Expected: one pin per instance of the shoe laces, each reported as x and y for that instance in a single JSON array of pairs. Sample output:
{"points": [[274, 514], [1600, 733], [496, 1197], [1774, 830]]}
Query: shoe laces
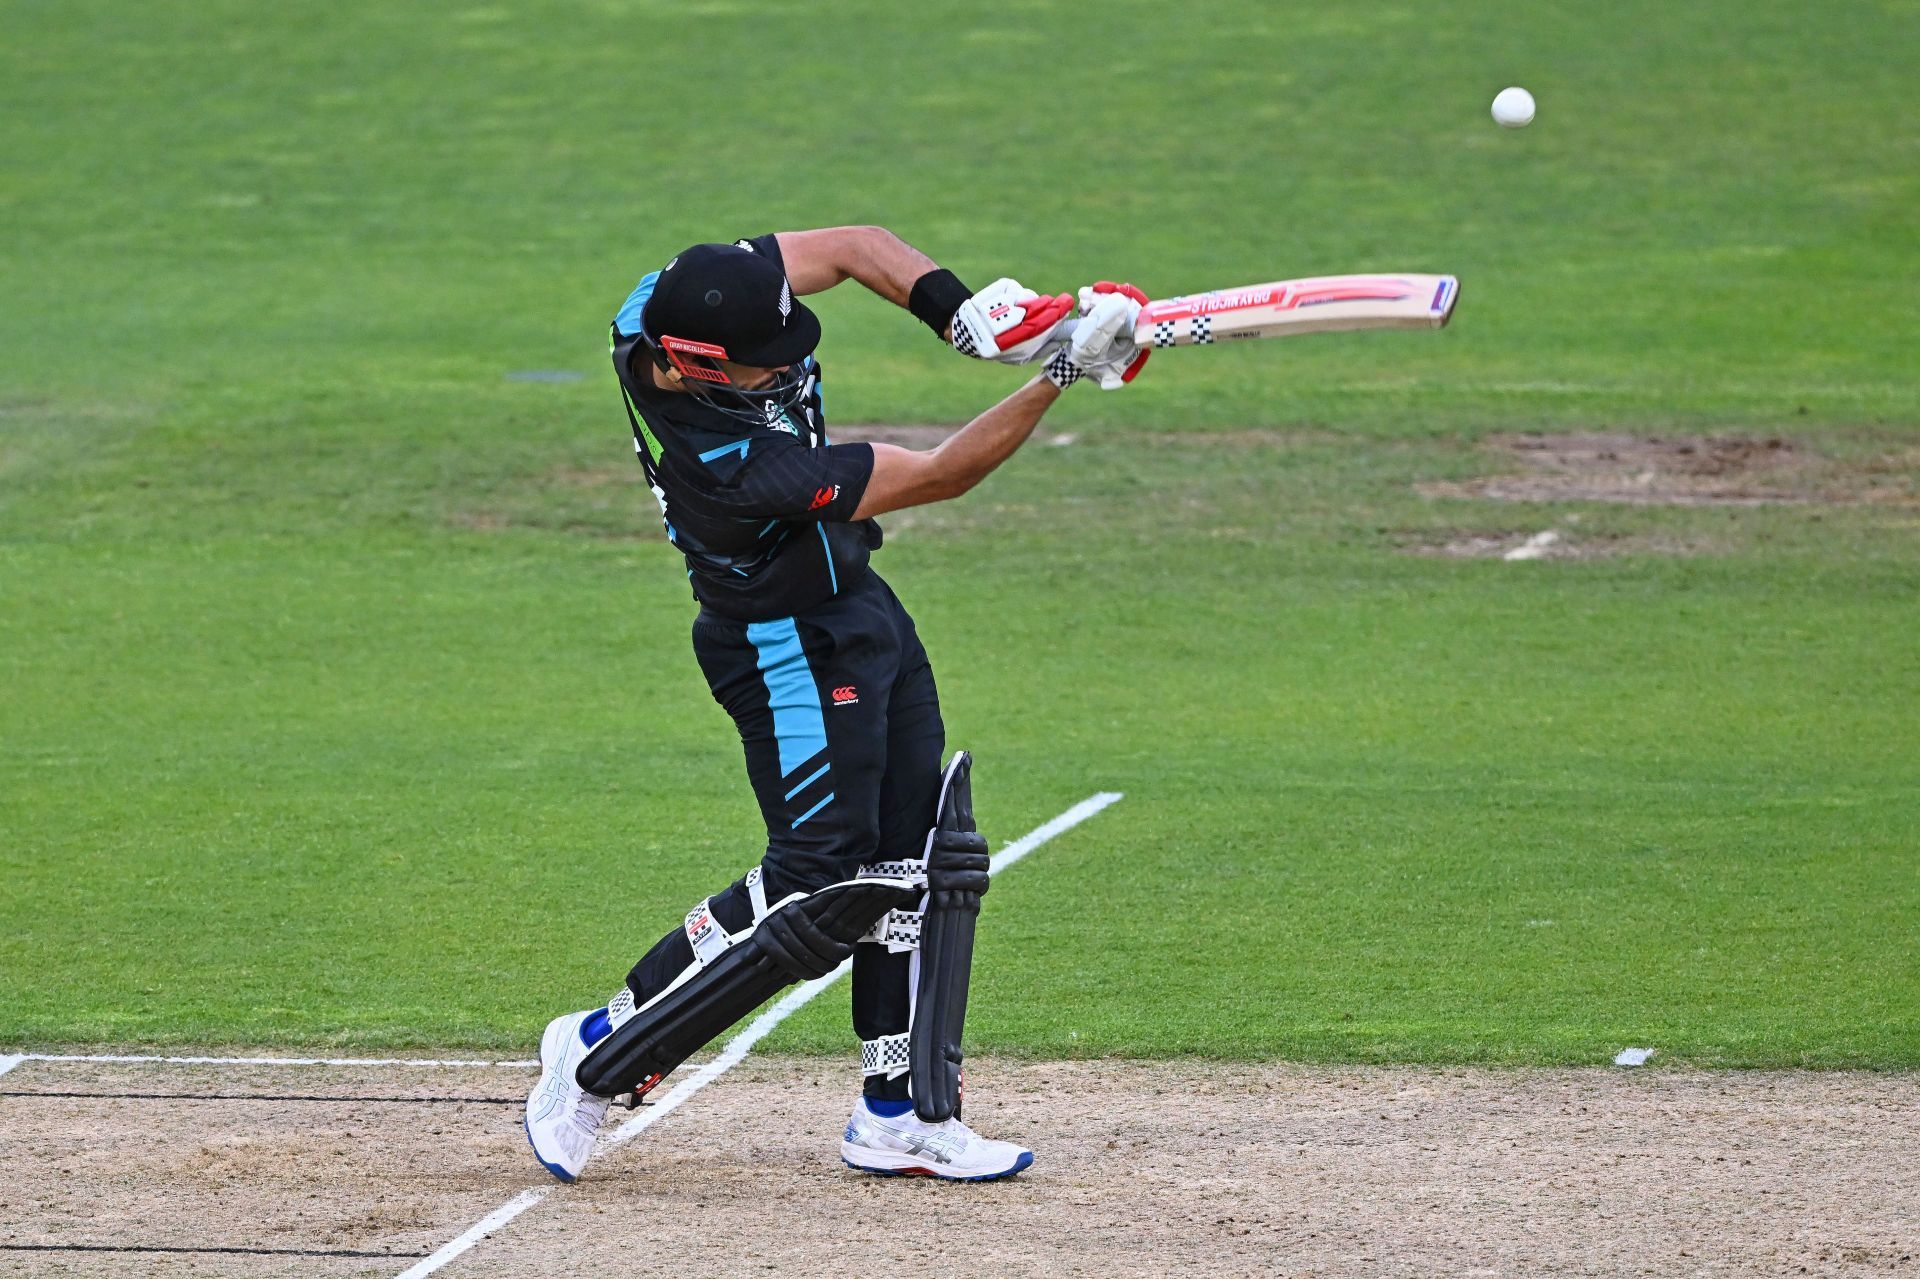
{"points": [[588, 1113], [966, 1135]]}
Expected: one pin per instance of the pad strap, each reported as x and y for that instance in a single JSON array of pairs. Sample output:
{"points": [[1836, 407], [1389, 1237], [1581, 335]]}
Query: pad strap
{"points": [[915, 869], [704, 934], [757, 893], [897, 930], [886, 1055]]}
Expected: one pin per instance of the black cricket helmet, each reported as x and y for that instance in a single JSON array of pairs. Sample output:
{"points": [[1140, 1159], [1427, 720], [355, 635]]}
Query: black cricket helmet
{"points": [[717, 302]]}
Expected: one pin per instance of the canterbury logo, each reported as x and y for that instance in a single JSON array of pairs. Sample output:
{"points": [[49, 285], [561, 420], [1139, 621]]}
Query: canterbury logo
{"points": [[822, 496], [846, 695]]}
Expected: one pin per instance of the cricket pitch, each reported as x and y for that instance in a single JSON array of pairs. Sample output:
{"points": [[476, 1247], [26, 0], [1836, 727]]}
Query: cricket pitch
{"points": [[1141, 1169]]}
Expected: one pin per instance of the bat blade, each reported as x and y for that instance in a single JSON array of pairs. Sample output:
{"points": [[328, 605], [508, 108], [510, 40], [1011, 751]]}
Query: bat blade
{"points": [[1284, 308]]}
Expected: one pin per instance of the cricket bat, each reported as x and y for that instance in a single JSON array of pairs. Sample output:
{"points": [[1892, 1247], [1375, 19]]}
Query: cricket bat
{"points": [[1321, 304]]}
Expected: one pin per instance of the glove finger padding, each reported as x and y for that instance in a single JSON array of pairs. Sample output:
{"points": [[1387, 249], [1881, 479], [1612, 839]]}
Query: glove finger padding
{"points": [[1089, 294], [1008, 323], [799, 947], [1102, 344]]}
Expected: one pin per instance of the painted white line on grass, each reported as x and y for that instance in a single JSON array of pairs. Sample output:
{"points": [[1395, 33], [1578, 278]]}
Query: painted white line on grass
{"points": [[8, 1063], [1066, 821], [730, 1056]]}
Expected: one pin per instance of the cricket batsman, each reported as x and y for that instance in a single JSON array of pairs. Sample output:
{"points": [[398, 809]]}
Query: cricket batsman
{"points": [[871, 847]]}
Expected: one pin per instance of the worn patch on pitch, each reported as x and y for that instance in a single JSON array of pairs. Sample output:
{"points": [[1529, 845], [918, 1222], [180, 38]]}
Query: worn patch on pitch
{"points": [[1684, 470]]}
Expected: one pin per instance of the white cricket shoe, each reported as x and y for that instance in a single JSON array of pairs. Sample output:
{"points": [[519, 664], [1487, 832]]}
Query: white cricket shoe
{"points": [[907, 1145], [562, 1117]]}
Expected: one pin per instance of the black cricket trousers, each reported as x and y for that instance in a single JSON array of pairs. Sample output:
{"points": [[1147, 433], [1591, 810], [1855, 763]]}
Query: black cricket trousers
{"points": [[840, 721]]}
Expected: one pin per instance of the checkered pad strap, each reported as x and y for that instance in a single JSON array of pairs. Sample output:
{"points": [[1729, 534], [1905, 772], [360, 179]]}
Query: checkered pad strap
{"points": [[704, 933], [897, 930], [886, 1055], [620, 1007], [915, 870]]}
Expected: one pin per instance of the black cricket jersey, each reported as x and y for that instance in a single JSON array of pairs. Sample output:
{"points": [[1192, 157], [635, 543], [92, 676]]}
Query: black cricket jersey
{"points": [[763, 514]]}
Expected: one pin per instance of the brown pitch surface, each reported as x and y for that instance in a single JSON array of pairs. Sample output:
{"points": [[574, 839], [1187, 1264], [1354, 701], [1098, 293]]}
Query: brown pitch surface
{"points": [[1141, 1169]]}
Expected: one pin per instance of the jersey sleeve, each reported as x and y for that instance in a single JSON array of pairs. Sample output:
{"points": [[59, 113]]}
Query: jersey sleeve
{"points": [[782, 479], [767, 246]]}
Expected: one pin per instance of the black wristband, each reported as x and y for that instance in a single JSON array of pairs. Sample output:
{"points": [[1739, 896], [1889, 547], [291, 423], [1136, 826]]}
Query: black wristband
{"points": [[935, 297]]}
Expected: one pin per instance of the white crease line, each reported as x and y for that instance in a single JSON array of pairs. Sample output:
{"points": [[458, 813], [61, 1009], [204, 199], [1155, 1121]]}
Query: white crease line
{"points": [[1066, 821], [736, 1050], [8, 1063], [477, 1231]]}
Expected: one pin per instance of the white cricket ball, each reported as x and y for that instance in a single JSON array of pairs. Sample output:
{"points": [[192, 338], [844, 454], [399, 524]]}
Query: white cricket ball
{"points": [[1513, 108]]}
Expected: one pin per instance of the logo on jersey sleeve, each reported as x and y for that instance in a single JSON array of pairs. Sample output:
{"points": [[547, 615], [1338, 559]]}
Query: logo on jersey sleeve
{"points": [[823, 496]]}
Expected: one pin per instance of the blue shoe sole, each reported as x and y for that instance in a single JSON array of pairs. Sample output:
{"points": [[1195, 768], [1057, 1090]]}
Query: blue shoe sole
{"points": [[561, 1173], [1020, 1165]]}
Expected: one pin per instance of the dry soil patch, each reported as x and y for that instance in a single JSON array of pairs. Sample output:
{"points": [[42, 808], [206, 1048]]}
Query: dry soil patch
{"points": [[1705, 470], [1142, 1169]]}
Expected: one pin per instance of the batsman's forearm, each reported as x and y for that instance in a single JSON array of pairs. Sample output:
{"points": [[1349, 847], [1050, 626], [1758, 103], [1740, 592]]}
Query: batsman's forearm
{"points": [[889, 265], [970, 454], [873, 255], [903, 477]]}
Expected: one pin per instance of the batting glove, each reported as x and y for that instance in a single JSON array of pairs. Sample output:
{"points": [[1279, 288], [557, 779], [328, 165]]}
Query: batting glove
{"points": [[1009, 324], [1102, 345]]}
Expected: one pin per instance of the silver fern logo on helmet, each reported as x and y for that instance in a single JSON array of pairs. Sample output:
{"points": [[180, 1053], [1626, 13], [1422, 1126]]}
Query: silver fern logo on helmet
{"points": [[786, 301]]}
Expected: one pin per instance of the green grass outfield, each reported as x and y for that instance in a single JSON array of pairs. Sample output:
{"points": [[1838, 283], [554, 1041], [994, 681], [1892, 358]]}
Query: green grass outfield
{"points": [[345, 695]]}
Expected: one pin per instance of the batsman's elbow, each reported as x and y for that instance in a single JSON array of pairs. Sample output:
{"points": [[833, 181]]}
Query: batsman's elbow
{"points": [[903, 478]]}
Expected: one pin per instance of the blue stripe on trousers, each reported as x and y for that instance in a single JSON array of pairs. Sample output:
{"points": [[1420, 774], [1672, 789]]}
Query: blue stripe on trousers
{"points": [[798, 725]]}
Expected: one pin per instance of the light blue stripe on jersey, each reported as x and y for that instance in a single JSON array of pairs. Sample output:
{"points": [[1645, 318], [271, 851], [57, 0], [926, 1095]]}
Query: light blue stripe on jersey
{"points": [[798, 725], [738, 446], [628, 321], [826, 548]]}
